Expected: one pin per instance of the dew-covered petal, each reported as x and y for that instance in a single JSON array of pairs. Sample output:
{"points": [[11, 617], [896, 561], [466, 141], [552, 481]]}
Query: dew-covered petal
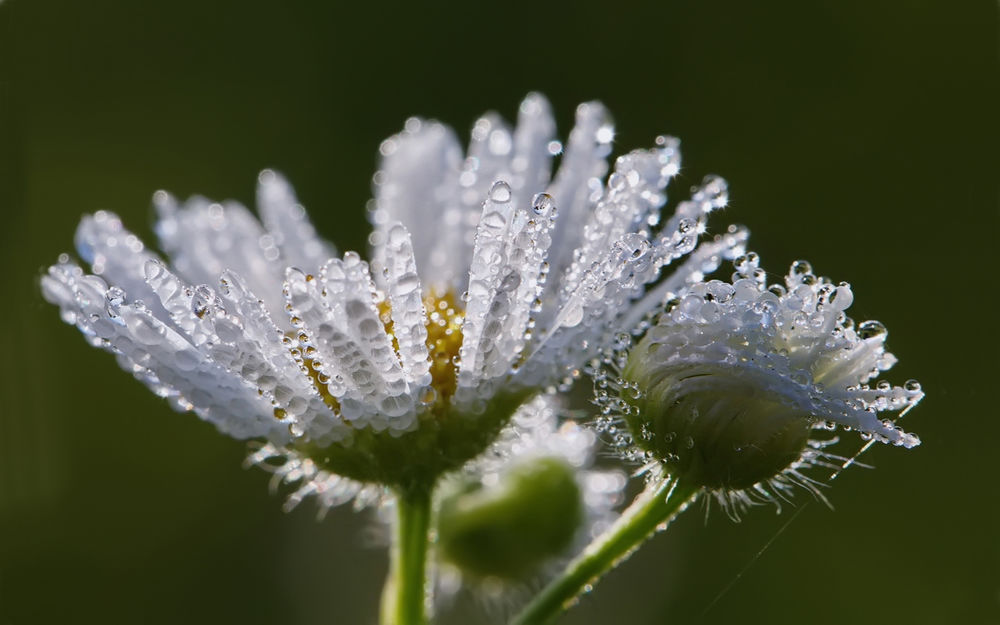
{"points": [[631, 204], [584, 322], [288, 224], [204, 239], [531, 162], [417, 185], [159, 357], [680, 233], [705, 259], [407, 308], [115, 254], [492, 283], [491, 147], [577, 185]]}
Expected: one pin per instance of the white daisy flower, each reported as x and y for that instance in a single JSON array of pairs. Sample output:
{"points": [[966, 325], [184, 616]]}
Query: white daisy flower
{"points": [[726, 391], [477, 296], [519, 510]]}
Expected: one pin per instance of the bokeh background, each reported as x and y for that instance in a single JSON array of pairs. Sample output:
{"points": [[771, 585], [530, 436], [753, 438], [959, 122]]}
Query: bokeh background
{"points": [[860, 135]]}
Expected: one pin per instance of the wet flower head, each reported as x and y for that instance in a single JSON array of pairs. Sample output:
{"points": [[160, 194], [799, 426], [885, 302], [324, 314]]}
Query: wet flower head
{"points": [[729, 387], [489, 280]]}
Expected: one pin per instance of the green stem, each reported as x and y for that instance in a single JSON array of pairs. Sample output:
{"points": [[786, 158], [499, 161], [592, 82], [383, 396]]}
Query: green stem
{"points": [[652, 510], [404, 598]]}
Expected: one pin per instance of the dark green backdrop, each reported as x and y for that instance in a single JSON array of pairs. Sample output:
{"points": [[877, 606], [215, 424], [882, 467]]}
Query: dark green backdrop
{"points": [[860, 135]]}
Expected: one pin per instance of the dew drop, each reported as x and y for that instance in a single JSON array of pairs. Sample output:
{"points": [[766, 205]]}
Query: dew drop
{"points": [[115, 298], [500, 192], [871, 330], [801, 267], [572, 315], [543, 205], [201, 299], [398, 235]]}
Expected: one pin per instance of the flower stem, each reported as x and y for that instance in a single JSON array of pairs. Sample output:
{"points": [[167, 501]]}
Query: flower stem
{"points": [[662, 500], [404, 598]]}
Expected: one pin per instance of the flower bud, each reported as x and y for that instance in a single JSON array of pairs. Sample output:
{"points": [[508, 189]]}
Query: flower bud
{"points": [[510, 530], [527, 502], [712, 428], [727, 389]]}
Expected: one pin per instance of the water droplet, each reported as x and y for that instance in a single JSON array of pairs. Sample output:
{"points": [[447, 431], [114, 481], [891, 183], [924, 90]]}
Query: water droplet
{"points": [[572, 315], [494, 220], [543, 205], [871, 330], [407, 283], [510, 282], [801, 267], [500, 192], [115, 298], [398, 235], [912, 386], [201, 300], [499, 142], [428, 396]]}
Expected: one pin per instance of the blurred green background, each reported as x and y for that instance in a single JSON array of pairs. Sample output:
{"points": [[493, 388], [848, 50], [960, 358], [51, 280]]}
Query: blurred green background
{"points": [[859, 135]]}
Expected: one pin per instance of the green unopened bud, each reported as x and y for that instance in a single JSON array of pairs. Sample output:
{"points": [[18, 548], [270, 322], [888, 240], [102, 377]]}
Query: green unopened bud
{"points": [[509, 530], [711, 427]]}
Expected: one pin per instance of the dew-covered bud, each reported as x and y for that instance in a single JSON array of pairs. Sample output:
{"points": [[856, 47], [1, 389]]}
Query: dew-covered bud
{"points": [[713, 429], [728, 388], [509, 530]]}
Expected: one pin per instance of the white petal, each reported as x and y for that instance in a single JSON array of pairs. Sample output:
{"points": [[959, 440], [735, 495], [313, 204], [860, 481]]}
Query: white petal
{"points": [[288, 224], [115, 254], [406, 299], [161, 358], [577, 185], [532, 159], [417, 185], [204, 239]]}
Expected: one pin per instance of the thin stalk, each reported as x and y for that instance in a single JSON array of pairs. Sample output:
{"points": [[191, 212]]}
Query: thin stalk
{"points": [[652, 510], [404, 598]]}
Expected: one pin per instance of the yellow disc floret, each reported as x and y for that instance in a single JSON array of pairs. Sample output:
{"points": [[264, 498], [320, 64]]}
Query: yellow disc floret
{"points": [[444, 339]]}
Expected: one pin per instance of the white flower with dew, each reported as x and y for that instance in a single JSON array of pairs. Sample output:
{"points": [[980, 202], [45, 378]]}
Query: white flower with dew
{"points": [[477, 296], [727, 389]]}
